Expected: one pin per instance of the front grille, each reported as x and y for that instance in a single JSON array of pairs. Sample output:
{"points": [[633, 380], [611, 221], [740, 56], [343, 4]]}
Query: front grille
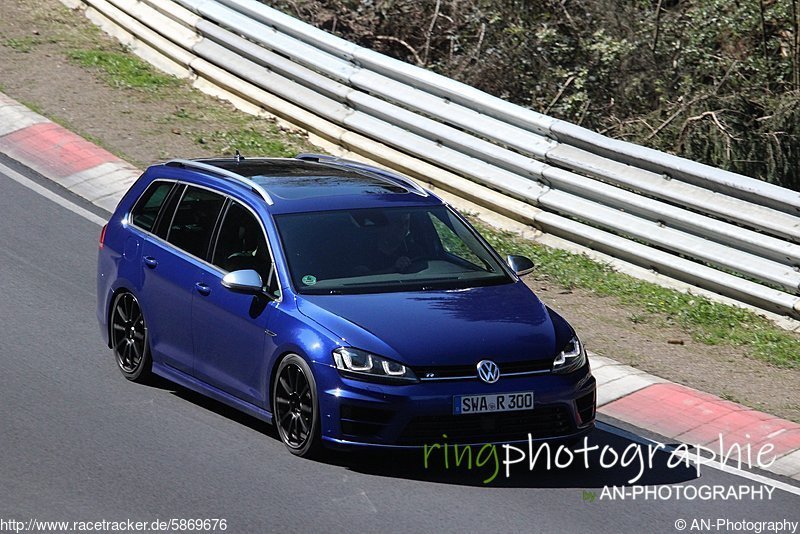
{"points": [[468, 372], [541, 422], [525, 367]]}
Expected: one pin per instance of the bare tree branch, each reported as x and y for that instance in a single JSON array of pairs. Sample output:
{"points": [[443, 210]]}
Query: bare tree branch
{"points": [[796, 51], [715, 120], [658, 26], [558, 96], [672, 117], [764, 36], [399, 41], [430, 32]]}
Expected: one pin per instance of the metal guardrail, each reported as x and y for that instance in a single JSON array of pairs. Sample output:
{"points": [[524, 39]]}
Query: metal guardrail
{"points": [[725, 232]]}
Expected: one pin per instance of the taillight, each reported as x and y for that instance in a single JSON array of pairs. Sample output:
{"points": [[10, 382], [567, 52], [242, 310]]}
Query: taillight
{"points": [[103, 235]]}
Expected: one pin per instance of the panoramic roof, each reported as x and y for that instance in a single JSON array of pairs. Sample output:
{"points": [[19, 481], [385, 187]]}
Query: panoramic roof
{"points": [[297, 187], [292, 179]]}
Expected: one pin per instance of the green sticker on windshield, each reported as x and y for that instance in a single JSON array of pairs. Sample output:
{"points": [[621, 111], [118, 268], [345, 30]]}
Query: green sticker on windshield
{"points": [[309, 280]]}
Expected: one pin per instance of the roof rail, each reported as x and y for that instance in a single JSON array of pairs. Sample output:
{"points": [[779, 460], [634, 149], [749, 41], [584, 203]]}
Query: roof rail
{"points": [[223, 172], [383, 173]]}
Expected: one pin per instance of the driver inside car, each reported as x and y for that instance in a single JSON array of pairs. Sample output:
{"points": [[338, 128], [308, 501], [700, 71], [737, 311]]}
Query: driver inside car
{"points": [[395, 247]]}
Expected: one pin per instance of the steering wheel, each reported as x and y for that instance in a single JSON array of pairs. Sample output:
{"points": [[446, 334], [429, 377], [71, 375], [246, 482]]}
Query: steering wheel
{"points": [[415, 265]]}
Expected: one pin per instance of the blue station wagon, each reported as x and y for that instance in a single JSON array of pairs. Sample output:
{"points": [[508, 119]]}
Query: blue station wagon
{"points": [[339, 301]]}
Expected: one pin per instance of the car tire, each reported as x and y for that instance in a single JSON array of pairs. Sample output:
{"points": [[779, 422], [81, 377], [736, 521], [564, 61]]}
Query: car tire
{"points": [[129, 340], [296, 407]]}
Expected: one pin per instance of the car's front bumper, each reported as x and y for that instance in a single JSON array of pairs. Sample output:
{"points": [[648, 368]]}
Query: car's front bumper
{"points": [[355, 413]]}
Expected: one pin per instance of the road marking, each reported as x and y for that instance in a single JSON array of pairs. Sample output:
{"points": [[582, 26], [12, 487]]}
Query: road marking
{"points": [[605, 427], [779, 431], [61, 201]]}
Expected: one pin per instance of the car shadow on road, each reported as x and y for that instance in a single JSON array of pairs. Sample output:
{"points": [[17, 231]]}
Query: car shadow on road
{"points": [[611, 460], [215, 406]]}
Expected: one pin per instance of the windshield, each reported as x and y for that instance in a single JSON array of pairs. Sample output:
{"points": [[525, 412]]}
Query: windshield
{"points": [[381, 250]]}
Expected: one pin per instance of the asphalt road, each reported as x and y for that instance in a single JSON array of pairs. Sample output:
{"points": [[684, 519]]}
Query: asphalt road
{"points": [[80, 443]]}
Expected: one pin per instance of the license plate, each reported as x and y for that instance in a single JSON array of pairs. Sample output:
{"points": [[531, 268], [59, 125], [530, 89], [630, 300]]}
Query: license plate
{"points": [[501, 402]]}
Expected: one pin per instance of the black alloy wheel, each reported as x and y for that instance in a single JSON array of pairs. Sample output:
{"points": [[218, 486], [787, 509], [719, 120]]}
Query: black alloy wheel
{"points": [[129, 338], [295, 409]]}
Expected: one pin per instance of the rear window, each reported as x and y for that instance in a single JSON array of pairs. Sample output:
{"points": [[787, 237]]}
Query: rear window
{"points": [[146, 210]]}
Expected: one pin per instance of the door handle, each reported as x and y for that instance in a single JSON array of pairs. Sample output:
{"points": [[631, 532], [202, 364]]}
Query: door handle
{"points": [[150, 261], [202, 288]]}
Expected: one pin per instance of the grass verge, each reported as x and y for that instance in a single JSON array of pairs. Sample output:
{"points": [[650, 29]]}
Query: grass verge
{"points": [[23, 44], [122, 69]]}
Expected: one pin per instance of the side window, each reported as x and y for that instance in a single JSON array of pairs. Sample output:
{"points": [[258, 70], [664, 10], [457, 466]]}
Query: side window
{"points": [[194, 220], [241, 244], [145, 212]]}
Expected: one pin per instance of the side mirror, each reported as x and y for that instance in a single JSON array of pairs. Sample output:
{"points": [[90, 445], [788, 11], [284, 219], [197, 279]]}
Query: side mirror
{"points": [[520, 264], [244, 281]]}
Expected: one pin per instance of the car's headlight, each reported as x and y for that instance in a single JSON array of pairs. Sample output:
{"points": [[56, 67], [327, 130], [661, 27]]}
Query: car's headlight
{"points": [[363, 365], [571, 358]]}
